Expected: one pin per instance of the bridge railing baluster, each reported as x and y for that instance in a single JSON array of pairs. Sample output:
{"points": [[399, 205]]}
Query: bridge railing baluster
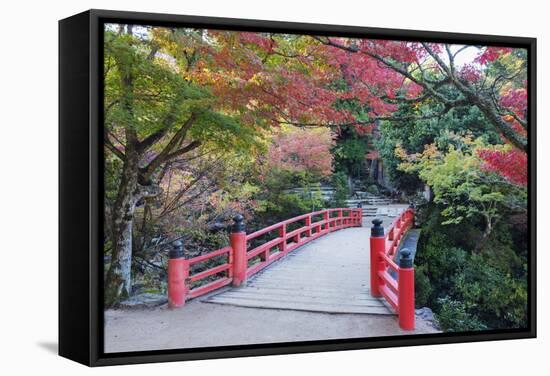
{"points": [[282, 235]]}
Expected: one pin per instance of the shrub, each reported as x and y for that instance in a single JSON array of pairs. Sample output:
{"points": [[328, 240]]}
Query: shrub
{"points": [[441, 264], [373, 189], [340, 183], [422, 287], [460, 282], [492, 295], [282, 206], [486, 286], [453, 317]]}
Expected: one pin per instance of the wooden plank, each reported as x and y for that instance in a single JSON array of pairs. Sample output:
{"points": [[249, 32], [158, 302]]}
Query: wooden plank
{"points": [[255, 268], [309, 290], [209, 272], [326, 308], [210, 255], [198, 291], [388, 279], [262, 248], [321, 282], [321, 296], [390, 297], [391, 264]]}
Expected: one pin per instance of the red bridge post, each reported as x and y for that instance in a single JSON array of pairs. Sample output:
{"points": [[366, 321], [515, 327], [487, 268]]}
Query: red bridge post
{"points": [[377, 248], [238, 244], [282, 235], [326, 218], [178, 272], [406, 290]]}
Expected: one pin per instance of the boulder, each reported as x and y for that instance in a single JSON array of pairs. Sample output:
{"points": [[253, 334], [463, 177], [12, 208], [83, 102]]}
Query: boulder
{"points": [[427, 314], [143, 301]]}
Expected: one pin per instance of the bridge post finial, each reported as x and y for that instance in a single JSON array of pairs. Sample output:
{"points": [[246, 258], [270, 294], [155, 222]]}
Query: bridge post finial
{"points": [[178, 273], [405, 296], [238, 223], [377, 230], [176, 251], [405, 258]]}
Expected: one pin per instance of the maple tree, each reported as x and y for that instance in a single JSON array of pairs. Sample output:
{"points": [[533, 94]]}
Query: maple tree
{"points": [[302, 150], [510, 163], [381, 75], [386, 73], [461, 183], [153, 116], [170, 93], [174, 94], [510, 92]]}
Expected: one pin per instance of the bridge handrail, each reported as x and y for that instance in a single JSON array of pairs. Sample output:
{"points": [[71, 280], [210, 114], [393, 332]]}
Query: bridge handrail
{"points": [[398, 293], [311, 229], [292, 220], [235, 269], [401, 225]]}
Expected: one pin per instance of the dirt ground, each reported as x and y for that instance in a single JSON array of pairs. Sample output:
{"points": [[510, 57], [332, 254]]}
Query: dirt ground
{"points": [[201, 324]]}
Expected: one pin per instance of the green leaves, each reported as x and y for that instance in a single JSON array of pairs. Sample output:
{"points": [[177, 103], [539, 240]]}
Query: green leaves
{"points": [[159, 98], [223, 131], [470, 290], [454, 317], [458, 181]]}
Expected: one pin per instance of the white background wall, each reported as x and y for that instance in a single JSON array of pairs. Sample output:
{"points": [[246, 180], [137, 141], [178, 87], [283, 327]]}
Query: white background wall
{"points": [[28, 185]]}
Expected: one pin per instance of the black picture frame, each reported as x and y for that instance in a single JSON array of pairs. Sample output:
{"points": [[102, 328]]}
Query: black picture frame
{"points": [[80, 187]]}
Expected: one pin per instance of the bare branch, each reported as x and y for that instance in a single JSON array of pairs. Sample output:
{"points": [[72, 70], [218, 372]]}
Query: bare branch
{"points": [[191, 146], [111, 146], [174, 143]]}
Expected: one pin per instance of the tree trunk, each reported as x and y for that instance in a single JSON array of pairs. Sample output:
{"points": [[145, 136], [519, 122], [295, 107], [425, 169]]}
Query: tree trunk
{"points": [[119, 280], [373, 172], [485, 236]]}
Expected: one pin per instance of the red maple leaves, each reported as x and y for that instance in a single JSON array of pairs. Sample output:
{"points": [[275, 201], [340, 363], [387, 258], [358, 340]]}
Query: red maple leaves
{"points": [[302, 150], [271, 79], [511, 164], [490, 54]]}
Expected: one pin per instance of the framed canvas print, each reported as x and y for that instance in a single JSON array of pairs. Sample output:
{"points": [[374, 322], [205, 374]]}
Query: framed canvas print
{"points": [[238, 187]]}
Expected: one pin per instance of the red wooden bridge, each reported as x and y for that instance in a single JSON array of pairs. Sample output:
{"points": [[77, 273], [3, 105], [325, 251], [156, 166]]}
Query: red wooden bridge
{"points": [[334, 274]]}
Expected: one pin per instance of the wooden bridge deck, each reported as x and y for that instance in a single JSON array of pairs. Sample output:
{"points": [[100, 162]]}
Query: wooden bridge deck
{"points": [[330, 274]]}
